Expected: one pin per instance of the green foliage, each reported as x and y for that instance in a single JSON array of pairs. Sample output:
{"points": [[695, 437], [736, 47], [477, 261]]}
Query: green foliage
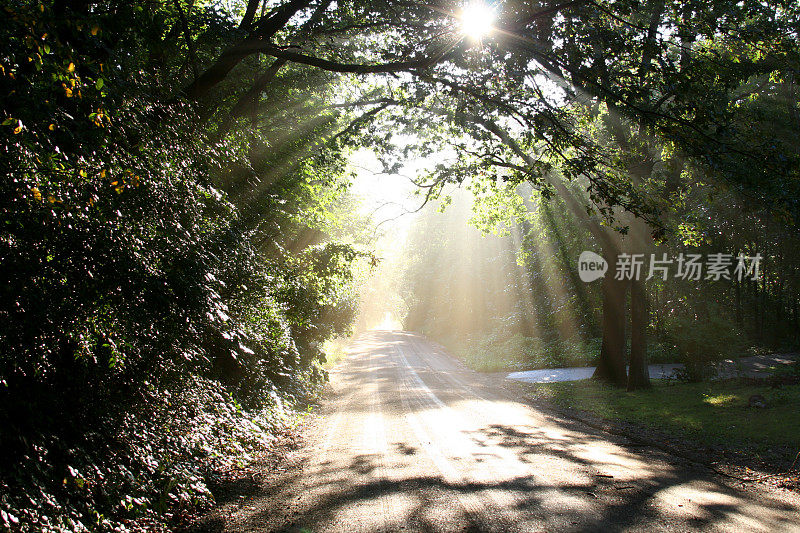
{"points": [[165, 216], [158, 323], [149, 464], [701, 342], [498, 352]]}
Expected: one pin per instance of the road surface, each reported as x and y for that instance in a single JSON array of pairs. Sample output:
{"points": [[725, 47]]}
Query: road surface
{"points": [[409, 440]]}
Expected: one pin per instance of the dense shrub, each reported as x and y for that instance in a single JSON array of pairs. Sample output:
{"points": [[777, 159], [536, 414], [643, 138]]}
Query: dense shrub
{"points": [[152, 330], [502, 351], [702, 342]]}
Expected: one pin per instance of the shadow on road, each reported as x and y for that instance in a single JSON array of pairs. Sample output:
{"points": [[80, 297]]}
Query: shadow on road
{"points": [[410, 440]]}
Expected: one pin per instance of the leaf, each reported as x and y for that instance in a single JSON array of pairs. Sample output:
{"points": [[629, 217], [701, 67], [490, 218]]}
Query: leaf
{"points": [[71, 67], [99, 84]]}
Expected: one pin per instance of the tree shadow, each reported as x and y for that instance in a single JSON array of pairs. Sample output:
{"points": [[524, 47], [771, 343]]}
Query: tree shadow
{"points": [[491, 475]]}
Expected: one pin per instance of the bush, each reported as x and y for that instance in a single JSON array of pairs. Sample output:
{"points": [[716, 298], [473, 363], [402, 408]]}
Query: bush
{"points": [[498, 351], [149, 465], [152, 328], [702, 342]]}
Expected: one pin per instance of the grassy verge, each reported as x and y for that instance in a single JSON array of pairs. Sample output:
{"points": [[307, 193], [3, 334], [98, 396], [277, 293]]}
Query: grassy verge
{"points": [[714, 413]]}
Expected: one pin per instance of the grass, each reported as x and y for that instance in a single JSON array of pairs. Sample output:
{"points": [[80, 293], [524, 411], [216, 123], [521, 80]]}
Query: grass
{"points": [[714, 413]]}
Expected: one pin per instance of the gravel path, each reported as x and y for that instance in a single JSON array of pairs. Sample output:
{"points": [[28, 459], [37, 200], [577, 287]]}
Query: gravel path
{"points": [[410, 440]]}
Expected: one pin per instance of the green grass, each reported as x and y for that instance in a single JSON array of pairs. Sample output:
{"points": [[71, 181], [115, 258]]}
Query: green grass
{"points": [[713, 413]]}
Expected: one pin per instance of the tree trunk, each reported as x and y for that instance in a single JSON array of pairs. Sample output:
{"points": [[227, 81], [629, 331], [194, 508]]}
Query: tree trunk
{"points": [[638, 375], [739, 318], [762, 304], [611, 367]]}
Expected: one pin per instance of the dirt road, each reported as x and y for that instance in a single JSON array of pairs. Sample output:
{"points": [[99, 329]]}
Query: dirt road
{"points": [[410, 440]]}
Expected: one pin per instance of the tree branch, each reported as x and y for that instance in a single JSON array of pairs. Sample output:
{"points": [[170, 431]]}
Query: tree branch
{"points": [[231, 57], [188, 37]]}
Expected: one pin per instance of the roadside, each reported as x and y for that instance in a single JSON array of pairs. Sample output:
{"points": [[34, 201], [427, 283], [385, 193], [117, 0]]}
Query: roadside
{"points": [[757, 366], [262, 478], [711, 423], [744, 423]]}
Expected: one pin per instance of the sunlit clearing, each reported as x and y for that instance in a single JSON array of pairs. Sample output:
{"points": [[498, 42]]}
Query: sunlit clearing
{"points": [[476, 20]]}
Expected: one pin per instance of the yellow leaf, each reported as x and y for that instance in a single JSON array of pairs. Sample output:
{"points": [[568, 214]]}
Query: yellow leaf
{"points": [[95, 29], [103, 173], [37, 194], [51, 198], [68, 91], [114, 183], [71, 67], [51, 127], [19, 127], [82, 173]]}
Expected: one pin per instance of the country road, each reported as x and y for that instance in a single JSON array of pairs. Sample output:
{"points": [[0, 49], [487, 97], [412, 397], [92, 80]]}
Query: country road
{"points": [[408, 439]]}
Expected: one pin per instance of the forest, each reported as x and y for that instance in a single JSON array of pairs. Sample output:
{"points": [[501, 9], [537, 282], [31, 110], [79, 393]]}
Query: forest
{"points": [[179, 236]]}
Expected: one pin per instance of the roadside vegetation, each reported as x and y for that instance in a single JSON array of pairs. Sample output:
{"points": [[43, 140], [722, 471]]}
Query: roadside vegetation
{"points": [[716, 413], [498, 351], [158, 324], [335, 351]]}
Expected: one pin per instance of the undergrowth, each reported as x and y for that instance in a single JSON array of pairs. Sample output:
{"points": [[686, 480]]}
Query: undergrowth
{"points": [[146, 471]]}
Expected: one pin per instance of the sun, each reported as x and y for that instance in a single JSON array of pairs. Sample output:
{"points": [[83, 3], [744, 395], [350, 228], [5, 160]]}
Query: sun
{"points": [[477, 19]]}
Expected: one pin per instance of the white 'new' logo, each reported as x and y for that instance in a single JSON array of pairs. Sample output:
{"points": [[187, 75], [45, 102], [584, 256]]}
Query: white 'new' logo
{"points": [[591, 266]]}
